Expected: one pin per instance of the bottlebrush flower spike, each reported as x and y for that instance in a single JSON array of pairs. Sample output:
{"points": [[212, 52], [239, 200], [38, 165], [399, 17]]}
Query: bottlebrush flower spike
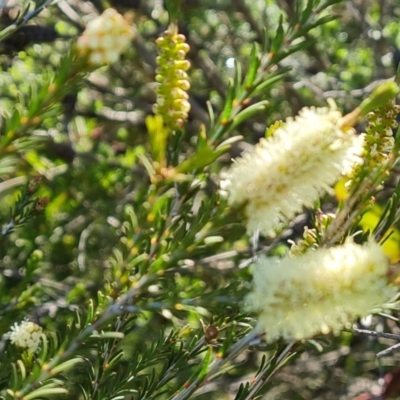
{"points": [[105, 38], [292, 168], [173, 81], [26, 335], [320, 291]]}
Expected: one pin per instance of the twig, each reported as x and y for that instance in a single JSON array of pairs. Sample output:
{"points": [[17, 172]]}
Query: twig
{"points": [[10, 183], [216, 365], [387, 351], [377, 334], [170, 370], [261, 380], [29, 15]]}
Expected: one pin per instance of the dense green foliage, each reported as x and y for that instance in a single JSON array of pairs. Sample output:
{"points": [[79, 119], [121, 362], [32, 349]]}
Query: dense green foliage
{"points": [[115, 237]]}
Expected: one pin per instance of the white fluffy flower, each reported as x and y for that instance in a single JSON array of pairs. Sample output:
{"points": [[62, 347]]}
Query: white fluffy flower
{"points": [[26, 335], [293, 168], [105, 38], [321, 291]]}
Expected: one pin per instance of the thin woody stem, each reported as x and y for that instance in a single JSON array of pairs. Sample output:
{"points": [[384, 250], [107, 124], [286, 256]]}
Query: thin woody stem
{"points": [[216, 365], [261, 380]]}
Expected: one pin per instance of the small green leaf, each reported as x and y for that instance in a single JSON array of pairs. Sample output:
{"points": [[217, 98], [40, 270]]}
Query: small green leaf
{"points": [[380, 96], [278, 39], [248, 113], [65, 366], [158, 136], [321, 21], [44, 391], [238, 77], [228, 103], [228, 142], [147, 164], [108, 335], [90, 313], [307, 11], [201, 159], [254, 64], [205, 363], [270, 80], [202, 141], [43, 349], [115, 359], [15, 120], [22, 369]]}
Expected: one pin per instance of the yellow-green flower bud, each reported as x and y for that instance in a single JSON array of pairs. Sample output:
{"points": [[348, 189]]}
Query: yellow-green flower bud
{"points": [[180, 74], [173, 83], [180, 114], [183, 65], [183, 84], [182, 105], [177, 93]]}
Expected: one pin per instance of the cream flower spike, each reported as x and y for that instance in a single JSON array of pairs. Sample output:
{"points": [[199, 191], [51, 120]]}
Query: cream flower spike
{"points": [[293, 168], [26, 335], [321, 291], [105, 38]]}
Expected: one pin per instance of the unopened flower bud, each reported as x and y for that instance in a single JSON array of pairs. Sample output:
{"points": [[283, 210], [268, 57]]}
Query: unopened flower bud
{"points": [[180, 114], [180, 38], [177, 93], [183, 47], [182, 105], [183, 84], [183, 65]]}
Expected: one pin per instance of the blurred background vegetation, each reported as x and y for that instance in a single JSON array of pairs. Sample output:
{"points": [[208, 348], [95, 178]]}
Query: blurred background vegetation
{"points": [[103, 210]]}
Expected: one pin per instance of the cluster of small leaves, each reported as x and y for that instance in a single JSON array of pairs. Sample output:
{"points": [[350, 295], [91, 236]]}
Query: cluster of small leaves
{"points": [[262, 72], [26, 207]]}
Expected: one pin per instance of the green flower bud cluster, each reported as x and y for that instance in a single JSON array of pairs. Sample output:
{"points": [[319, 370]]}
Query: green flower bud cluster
{"points": [[379, 138], [311, 237], [173, 81]]}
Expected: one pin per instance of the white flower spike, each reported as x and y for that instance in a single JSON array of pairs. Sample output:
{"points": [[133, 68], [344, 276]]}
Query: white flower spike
{"points": [[26, 335], [105, 38], [320, 291], [292, 169]]}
